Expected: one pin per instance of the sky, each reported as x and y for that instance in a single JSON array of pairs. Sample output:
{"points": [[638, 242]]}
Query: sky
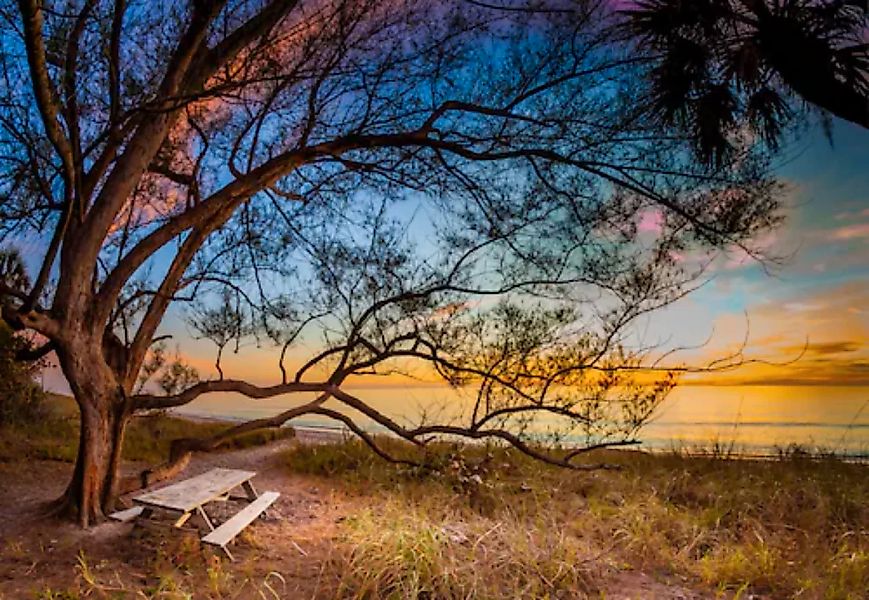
{"points": [[812, 312], [808, 316]]}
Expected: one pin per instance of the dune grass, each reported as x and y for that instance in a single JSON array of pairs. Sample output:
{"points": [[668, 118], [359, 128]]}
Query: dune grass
{"points": [[147, 438], [492, 522]]}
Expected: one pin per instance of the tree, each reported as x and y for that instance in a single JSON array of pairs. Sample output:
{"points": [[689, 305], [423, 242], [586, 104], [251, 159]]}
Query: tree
{"points": [[13, 273], [21, 399], [727, 64], [288, 155]]}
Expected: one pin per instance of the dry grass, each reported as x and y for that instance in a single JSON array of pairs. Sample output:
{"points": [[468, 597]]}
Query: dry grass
{"points": [[493, 521], [490, 523], [397, 551], [211, 578], [147, 438]]}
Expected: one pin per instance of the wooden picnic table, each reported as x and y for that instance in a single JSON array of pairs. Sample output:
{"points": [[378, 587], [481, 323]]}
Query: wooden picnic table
{"points": [[190, 496]]}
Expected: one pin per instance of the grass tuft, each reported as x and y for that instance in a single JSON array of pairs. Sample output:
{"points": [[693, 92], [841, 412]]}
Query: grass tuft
{"points": [[427, 553]]}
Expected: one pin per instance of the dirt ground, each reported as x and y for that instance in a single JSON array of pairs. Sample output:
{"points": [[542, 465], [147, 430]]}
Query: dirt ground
{"points": [[288, 554]]}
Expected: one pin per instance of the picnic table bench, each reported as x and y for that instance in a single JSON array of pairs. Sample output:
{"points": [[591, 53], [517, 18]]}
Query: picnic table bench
{"points": [[189, 497]]}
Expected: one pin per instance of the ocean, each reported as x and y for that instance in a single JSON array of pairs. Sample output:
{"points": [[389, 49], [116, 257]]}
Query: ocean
{"points": [[752, 420]]}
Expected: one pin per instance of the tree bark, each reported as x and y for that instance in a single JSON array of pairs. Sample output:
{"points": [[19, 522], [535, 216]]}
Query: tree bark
{"points": [[93, 489], [104, 412]]}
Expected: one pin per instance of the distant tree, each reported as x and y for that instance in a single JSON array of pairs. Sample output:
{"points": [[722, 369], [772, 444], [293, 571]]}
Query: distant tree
{"points": [[21, 399], [13, 273], [177, 376], [384, 183], [726, 64], [222, 324]]}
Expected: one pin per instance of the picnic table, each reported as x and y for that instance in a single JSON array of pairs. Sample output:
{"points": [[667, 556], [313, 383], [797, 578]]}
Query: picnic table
{"points": [[190, 496]]}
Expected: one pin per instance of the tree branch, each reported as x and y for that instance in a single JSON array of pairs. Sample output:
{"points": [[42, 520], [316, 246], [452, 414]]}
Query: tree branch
{"points": [[34, 354], [150, 401], [182, 449], [46, 96], [160, 302], [138, 154]]}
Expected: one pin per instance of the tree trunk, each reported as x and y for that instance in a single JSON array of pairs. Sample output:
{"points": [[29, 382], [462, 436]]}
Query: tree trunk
{"points": [[104, 412], [93, 490]]}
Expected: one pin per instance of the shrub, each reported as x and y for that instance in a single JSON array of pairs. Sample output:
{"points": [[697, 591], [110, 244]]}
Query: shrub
{"points": [[21, 399]]}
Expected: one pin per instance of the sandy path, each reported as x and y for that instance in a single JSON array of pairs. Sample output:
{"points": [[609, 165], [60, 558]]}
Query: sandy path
{"points": [[37, 553]]}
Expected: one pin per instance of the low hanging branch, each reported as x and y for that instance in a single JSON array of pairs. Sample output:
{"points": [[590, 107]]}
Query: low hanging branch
{"points": [[149, 401], [528, 389]]}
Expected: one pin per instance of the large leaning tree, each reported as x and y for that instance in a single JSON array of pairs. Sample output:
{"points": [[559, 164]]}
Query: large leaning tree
{"points": [[448, 188]]}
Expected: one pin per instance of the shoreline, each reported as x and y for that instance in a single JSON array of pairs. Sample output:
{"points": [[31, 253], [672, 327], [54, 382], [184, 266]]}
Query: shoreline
{"points": [[325, 434]]}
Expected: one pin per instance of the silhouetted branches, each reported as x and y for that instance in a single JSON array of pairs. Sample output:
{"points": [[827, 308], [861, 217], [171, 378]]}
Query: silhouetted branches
{"points": [[460, 190]]}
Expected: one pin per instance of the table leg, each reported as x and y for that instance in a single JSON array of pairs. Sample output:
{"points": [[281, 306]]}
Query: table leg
{"points": [[183, 519], [205, 518], [249, 490], [252, 495]]}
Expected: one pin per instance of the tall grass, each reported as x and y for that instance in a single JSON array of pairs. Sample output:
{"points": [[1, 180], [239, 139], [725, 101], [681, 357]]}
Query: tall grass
{"points": [[787, 528]]}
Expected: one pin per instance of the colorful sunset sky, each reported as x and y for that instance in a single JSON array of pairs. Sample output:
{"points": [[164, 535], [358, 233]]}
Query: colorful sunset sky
{"points": [[813, 310], [810, 314]]}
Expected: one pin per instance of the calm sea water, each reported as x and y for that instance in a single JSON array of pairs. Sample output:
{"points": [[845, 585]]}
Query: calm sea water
{"points": [[753, 419]]}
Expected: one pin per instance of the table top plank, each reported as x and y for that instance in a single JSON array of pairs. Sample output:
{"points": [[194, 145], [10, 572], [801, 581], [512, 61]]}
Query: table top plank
{"points": [[188, 494]]}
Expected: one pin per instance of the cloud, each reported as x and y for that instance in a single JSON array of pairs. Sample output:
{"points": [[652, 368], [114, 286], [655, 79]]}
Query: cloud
{"points": [[811, 337], [801, 306], [825, 348], [835, 347], [848, 215], [850, 232], [652, 221]]}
